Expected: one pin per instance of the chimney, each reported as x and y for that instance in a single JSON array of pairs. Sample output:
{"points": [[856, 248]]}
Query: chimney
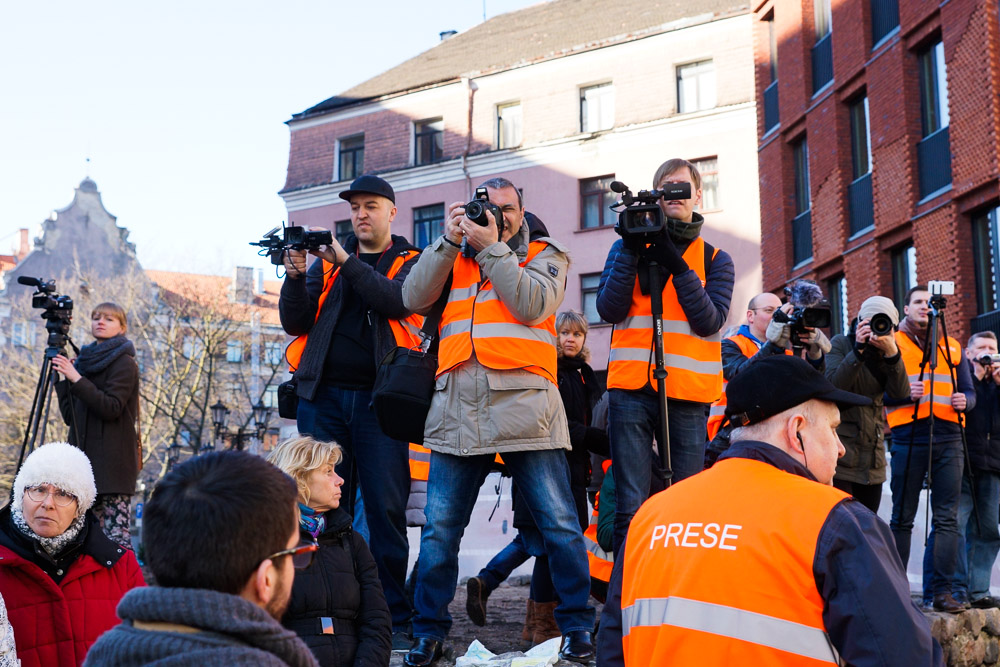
{"points": [[447, 34], [242, 287], [24, 246]]}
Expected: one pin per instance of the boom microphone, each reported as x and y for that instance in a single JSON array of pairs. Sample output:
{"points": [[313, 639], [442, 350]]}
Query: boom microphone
{"points": [[804, 293], [618, 186], [28, 280]]}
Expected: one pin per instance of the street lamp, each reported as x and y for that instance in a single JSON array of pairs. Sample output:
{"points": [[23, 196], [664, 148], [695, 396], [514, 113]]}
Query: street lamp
{"points": [[173, 454], [220, 414], [261, 415]]}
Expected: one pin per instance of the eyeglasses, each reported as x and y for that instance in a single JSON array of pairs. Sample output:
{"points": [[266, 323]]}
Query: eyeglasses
{"points": [[39, 493], [302, 554], [768, 310]]}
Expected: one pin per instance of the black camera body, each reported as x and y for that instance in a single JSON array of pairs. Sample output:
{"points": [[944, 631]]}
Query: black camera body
{"points": [[57, 311], [881, 324], [476, 210], [292, 238], [640, 217], [989, 359], [810, 309]]}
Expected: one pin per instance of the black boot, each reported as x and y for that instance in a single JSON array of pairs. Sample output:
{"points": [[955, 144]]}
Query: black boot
{"points": [[475, 602], [577, 646], [425, 652]]}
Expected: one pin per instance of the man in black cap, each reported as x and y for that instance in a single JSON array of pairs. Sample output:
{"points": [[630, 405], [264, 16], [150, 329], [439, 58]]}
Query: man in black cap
{"points": [[347, 311], [759, 558]]}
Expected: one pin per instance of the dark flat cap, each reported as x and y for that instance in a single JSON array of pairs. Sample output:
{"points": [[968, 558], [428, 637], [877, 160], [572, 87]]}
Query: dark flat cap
{"points": [[371, 185]]}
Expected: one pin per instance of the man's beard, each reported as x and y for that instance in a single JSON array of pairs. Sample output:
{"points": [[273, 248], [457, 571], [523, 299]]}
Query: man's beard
{"points": [[279, 603]]}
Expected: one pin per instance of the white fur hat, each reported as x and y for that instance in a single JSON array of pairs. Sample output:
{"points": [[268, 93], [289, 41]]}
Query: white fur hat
{"points": [[62, 465]]}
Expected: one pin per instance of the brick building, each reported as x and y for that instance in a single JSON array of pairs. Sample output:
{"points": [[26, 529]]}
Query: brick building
{"points": [[878, 150], [561, 98]]}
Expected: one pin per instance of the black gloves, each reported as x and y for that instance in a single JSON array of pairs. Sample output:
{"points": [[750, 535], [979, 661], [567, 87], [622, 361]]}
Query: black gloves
{"points": [[633, 243], [665, 253]]}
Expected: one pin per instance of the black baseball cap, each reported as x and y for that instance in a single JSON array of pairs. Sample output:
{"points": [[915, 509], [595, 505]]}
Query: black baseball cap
{"points": [[774, 384], [371, 185]]}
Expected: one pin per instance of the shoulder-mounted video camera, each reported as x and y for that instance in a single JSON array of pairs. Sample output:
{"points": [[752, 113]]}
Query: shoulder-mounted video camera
{"points": [[639, 215], [291, 238], [810, 309], [57, 311]]}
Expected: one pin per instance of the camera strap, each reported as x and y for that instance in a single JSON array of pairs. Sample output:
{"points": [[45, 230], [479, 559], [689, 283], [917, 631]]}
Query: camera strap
{"points": [[428, 332]]}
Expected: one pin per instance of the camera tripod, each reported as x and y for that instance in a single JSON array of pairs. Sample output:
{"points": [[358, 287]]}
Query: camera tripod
{"points": [[660, 372], [930, 361]]}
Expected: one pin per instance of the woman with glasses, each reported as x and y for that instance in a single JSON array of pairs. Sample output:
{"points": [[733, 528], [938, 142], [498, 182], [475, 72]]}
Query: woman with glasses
{"points": [[99, 400], [337, 606], [60, 575]]}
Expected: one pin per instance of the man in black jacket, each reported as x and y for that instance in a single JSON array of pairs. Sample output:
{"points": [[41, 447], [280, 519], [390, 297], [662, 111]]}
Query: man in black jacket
{"points": [[348, 313], [982, 538]]}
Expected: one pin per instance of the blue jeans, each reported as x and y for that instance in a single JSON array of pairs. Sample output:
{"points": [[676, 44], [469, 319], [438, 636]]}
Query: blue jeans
{"points": [[633, 421], [383, 473], [527, 543], [982, 538], [946, 484], [506, 561], [452, 488]]}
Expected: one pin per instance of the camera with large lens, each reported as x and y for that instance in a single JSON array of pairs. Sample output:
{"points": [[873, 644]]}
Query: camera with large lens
{"points": [[810, 309], [291, 238], [57, 311], [640, 217], [476, 210], [881, 324]]}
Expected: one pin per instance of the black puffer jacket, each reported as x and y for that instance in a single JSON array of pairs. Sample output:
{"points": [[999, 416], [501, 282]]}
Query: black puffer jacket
{"points": [[341, 584], [983, 426]]}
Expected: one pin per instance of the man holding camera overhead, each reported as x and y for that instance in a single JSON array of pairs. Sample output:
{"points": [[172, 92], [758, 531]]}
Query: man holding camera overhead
{"points": [[866, 361], [347, 311], [910, 422], [697, 290], [495, 393]]}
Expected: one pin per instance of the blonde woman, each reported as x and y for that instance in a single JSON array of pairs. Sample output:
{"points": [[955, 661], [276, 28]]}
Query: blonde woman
{"points": [[337, 605], [99, 400]]}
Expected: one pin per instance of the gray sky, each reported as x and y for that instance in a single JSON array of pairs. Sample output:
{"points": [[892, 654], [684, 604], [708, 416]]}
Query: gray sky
{"points": [[181, 107]]}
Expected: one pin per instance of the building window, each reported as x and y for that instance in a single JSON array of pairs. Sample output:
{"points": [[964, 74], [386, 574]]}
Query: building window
{"points": [[588, 295], [986, 250], [840, 320], [352, 157], [270, 397], [428, 141], [273, 353], [696, 86], [597, 108], [341, 230], [771, 92], [595, 199], [234, 351], [885, 19], [904, 272], [933, 90], [861, 141], [21, 334], [822, 18], [509, 125], [802, 222], [772, 47], [708, 168], [428, 224]]}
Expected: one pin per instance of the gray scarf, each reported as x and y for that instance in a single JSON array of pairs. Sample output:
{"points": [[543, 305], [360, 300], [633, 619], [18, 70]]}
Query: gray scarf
{"points": [[682, 232], [98, 355], [53, 546]]}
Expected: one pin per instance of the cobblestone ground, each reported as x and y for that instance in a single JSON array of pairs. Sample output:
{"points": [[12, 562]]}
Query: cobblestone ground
{"points": [[502, 632]]}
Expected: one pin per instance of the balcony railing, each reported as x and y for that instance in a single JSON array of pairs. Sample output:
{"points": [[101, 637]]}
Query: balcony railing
{"points": [[859, 195], [986, 322], [771, 106], [822, 62], [885, 18], [801, 238], [934, 162]]}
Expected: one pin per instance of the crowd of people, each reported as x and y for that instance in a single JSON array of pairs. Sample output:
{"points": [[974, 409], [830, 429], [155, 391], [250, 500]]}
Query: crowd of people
{"points": [[764, 547]]}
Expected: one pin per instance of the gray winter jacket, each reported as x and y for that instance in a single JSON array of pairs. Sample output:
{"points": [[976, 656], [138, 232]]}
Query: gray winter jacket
{"points": [[478, 410]]}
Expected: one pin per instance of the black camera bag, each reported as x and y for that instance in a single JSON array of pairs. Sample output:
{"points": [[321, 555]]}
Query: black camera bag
{"points": [[404, 381], [288, 399]]}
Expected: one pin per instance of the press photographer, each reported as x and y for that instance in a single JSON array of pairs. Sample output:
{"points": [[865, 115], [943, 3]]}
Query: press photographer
{"points": [[697, 288], [347, 311], [796, 325], [866, 361]]}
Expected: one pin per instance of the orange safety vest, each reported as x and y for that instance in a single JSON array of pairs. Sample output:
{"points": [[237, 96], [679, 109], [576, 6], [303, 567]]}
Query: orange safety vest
{"points": [[600, 561], [405, 331], [943, 388], [717, 413], [420, 462], [760, 606], [475, 319], [693, 363]]}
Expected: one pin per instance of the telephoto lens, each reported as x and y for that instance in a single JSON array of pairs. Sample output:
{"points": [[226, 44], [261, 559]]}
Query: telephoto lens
{"points": [[881, 324]]}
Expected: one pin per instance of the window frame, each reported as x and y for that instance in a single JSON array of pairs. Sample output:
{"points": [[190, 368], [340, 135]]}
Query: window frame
{"points": [[713, 177], [234, 351], [859, 112], [431, 129], [800, 162], [986, 252], [342, 229], [933, 72], [501, 108], [903, 263], [701, 69], [358, 165], [605, 107], [607, 197], [435, 222], [588, 291]]}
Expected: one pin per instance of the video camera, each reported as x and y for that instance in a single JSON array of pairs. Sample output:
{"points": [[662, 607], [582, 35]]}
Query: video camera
{"points": [[476, 210], [810, 309], [292, 238], [640, 216], [57, 311]]}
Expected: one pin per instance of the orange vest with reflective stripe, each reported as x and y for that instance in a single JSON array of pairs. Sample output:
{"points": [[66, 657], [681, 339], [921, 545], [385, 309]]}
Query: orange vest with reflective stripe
{"points": [[405, 331], [693, 363], [475, 319], [600, 561], [420, 461], [943, 388], [754, 528]]}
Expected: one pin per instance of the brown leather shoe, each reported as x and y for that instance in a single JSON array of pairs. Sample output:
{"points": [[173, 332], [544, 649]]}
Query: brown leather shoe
{"points": [[946, 602]]}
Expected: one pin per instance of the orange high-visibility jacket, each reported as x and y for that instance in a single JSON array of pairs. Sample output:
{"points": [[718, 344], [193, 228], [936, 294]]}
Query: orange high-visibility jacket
{"points": [[693, 363], [754, 529], [475, 319], [600, 561], [420, 461], [405, 331], [943, 387]]}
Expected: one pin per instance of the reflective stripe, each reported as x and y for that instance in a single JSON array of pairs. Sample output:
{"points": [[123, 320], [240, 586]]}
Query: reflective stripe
{"points": [[487, 295], [717, 410], [669, 360], [726, 621], [669, 326], [595, 548], [510, 330], [463, 293], [456, 327]]}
